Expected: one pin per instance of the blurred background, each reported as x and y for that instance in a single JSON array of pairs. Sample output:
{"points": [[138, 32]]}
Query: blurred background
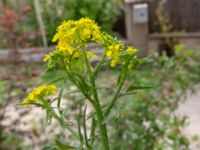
{"points": [[167, 32]]}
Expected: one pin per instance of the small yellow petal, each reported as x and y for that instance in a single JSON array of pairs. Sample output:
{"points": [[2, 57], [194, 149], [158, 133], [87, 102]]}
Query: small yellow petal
{"points": [[131, 50], [55, 38], [111, 47], [113, 63], [77, 54], [109, 53], [116, 47], [86, 33], [90, 55], [70, 50], [46, 57]]}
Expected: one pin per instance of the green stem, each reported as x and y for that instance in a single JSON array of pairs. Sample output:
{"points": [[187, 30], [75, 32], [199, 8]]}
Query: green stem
{"points": [[92, 133], [96, 104], [114, 99], [99, 65], [85, 130], [102, 128], [74, 82], [122, 78], [54, 115]]}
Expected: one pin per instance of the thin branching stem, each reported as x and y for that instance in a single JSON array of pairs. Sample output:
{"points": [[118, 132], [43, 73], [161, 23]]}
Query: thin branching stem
{"points": [[96, 104]]}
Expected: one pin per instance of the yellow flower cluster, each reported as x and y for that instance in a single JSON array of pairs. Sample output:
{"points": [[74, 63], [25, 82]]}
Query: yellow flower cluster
{"points": [[72, 35], [113, 52], [39, 93], [131, 50]]}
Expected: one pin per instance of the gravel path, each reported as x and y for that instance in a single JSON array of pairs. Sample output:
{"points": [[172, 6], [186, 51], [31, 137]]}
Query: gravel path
{"points": [[191, 109]]}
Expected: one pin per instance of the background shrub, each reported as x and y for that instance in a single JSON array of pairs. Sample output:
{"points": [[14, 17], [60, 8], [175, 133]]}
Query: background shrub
{"points": [[104, 12]]}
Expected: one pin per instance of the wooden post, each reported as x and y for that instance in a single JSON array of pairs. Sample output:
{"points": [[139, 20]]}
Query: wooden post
{"points": [[137, 33]]}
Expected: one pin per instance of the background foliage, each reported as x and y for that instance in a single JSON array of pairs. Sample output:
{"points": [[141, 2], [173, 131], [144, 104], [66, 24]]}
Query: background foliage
{"points": [[148, 119], [104, 12]]}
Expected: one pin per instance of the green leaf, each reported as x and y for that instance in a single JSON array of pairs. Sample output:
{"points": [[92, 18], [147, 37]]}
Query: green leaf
{"points": [[50, 147], [2, 91], [54, 76], [92, 114], [64, 146], [36, 104], [84, 127], [59, 98], [48, 117], [138, 87], [127, 93], [79, 128], [56, 80], [81, 81], [110, 116], [93, 126]]}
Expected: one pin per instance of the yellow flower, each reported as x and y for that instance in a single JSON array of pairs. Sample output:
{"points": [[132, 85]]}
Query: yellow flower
{"points": [[131, 50], [55, 38], [39, 93], [86, 34], [77, 54], [46, 57], [114, 62], [69, 36], [90, 55], [109, 53], [116, 47], [73, 33], [66, 49], [113, 52]]}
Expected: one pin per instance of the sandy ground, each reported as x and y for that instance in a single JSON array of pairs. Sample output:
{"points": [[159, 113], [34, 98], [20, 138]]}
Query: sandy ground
{"points": [[191, 109]]}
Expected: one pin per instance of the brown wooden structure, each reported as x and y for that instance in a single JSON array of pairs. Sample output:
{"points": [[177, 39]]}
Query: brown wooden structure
{"points": [[184, 15]]}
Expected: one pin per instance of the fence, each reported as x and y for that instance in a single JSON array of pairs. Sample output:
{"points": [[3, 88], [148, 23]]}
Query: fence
{"points": [[184, 15]]}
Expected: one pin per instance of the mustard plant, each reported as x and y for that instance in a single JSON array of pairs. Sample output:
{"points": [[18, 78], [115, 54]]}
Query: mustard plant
{"points": [[74, 58]]}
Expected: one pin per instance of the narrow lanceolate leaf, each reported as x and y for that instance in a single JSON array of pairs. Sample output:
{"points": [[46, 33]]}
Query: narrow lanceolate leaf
{"points": [[56, 80], [79, 129], [34, 104], [64, 146], [48, 118], [50, 147], [92, 114], [127, 93], [138, 87], [59, 99], [110, 116], [92, 134], [85, 128]]}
